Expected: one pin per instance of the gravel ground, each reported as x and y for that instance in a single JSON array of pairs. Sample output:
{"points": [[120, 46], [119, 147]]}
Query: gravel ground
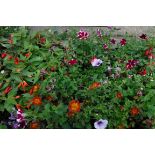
{"points": [[121, 30]]}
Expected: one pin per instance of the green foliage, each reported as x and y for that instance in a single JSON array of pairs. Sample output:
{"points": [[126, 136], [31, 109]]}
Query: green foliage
{"points": [[43, 60]]}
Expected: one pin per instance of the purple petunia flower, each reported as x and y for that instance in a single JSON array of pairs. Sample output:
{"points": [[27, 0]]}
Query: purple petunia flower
{"points": [[112, 41], [12, 117], [143, 37], [17, 119], [101, 124]]}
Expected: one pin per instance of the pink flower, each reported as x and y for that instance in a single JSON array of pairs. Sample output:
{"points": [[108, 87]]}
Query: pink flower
{"points": [[131, 64], [72, 62], [20, 115], [99, 33], [143, 36], [113, 41], [105, 46], [123, 42], [82, 35], [96, 62]]}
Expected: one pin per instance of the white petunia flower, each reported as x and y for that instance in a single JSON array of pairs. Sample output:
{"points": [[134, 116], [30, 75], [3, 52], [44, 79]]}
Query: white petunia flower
{"points": [[96, 62], [2, 72], [101, 124]]}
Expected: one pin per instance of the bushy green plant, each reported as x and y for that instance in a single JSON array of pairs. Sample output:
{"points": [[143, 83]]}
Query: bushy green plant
{"points": [[70, 80]]}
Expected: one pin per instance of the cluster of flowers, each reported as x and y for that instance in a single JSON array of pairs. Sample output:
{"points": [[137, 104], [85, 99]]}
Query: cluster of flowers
{"points": [[17, 119]]}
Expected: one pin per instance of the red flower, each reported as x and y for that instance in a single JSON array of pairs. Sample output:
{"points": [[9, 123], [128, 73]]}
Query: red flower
{"points": [[42, 40], [3, 55], [151, 56], [143, 36], [149, 53], [72, 62], [10, 57], [143, 72], [113, 41], [123, 42], [82, 35], [16, 61], [53, 69], [28, 54], [7, 90], [131, 64], [119, 95]]}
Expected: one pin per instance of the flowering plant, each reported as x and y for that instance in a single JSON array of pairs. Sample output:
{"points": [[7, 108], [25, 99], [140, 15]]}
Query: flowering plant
{"points": [[76, 79]]}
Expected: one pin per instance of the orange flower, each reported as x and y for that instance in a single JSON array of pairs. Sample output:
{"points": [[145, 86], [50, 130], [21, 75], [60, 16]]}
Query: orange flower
{"points": [[74, 106], [23, 84], [34, 89], [37, 100], [134, 111], [34, 125], [119, 95], [94, 85]]}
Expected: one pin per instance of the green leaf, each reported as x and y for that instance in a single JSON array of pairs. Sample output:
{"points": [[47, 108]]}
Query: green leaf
{"points": [[37, 75], [3, 126], [61, 109], [35, 59]]}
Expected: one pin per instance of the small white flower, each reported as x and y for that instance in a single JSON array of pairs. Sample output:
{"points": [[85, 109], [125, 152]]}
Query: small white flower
{"points": [[109, 68], [117, 69], [49, 30], [105, 81], [2, 72], [96, 62]]}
